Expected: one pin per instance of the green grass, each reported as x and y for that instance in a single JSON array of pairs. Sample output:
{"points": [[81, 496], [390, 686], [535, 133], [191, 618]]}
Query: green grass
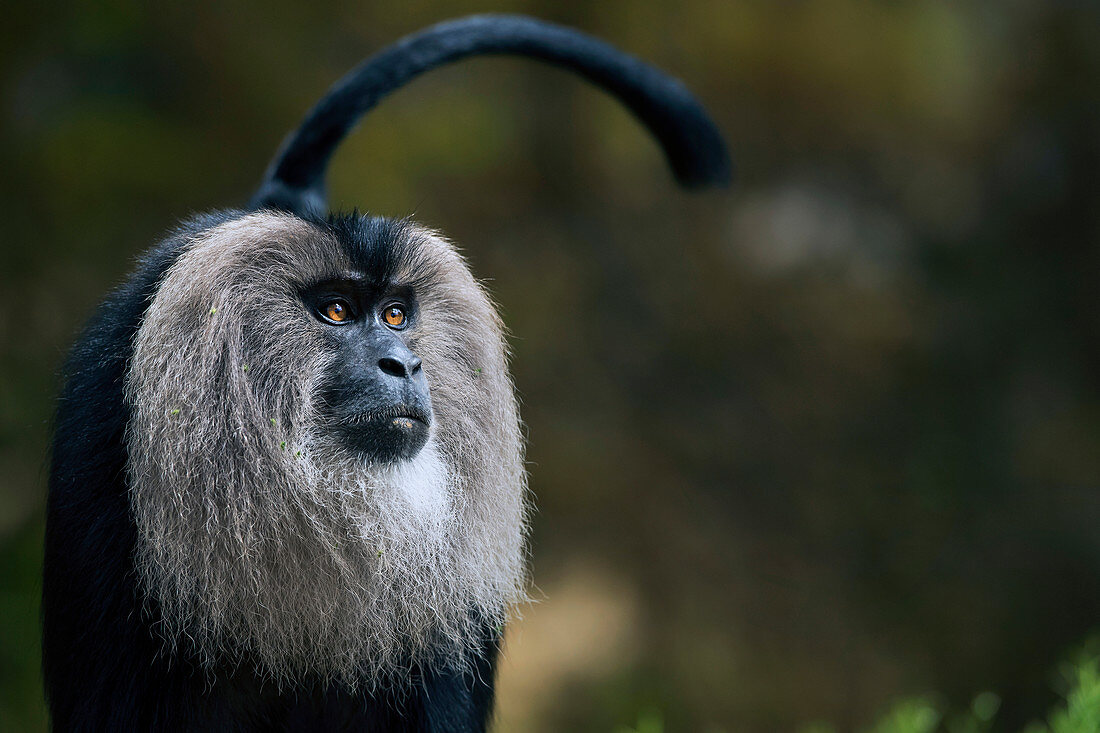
{"points": [[1078, 713]]}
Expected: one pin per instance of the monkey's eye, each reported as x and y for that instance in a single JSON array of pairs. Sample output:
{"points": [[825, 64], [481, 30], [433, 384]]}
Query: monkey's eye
{"points": [[394, 316], [336, 311]]}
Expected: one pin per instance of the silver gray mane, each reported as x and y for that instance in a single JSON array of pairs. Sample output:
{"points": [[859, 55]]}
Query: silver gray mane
{"points": [[258, 537]]}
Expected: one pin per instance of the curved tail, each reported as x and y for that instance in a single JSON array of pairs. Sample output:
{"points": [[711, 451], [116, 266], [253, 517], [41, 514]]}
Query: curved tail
{"points": [[295, 180]]}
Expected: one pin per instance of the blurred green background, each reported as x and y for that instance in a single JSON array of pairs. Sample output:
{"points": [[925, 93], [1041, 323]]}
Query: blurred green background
{"points": [[797, 449]]}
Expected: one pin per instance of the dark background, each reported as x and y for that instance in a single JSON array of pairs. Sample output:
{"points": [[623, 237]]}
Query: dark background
{"points": [[798, 448]]}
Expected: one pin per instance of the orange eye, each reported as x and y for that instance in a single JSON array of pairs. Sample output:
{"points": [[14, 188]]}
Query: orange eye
{"points": [[394, 316], [337, 311]]}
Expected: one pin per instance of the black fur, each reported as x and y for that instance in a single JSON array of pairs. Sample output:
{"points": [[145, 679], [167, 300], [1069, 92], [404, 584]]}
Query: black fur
{"points": [[103, 662], [295, 181]]}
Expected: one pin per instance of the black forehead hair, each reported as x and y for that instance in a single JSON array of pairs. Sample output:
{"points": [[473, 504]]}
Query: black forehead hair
{"points": [[376, 245]]}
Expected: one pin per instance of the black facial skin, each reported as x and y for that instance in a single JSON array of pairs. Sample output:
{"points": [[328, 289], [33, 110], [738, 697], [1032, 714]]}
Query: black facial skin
{"points": [[375, 395]]}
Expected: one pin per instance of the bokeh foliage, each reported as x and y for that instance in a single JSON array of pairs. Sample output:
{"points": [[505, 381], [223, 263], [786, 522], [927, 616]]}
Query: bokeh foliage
{"points": [[797, 449]]}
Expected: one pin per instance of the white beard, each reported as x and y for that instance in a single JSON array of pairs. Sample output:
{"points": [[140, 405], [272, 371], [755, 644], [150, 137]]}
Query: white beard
{"points": [[348, 574]]}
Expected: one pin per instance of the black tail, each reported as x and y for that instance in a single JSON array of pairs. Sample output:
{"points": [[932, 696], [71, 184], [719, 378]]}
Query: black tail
{"points": [[295, 180]]}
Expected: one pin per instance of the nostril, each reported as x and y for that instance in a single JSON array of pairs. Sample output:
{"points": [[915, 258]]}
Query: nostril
{"points": [[414, 364], [393, 367]]}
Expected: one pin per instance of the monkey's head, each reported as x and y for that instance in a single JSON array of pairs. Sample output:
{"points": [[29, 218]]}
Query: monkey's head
{"points": [[325, 458]]}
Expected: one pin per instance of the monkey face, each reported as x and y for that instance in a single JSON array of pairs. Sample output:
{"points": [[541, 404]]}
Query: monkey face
{"points": [[375, 394]]}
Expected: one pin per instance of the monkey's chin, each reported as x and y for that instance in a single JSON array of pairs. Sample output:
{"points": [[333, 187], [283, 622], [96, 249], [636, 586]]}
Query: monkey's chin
{"points": [[388, 439]]}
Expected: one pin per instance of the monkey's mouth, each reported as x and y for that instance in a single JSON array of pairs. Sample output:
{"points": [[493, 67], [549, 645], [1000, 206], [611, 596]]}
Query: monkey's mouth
{"points": [[390, 434], [396, 414]]}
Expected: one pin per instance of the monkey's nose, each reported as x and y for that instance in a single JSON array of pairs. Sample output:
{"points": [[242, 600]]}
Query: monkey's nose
{"points": [[400, 367]]}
